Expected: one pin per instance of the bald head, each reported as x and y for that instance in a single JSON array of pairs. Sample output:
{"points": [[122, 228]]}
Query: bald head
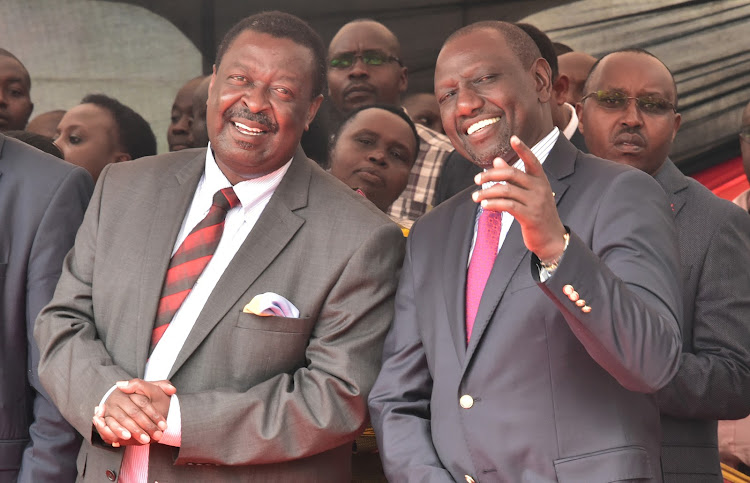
{"points": [[368, 68], [576, 67], [46, 123]]}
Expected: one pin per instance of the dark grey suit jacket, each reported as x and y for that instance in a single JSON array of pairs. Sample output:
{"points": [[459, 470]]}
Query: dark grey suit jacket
{"points": [[261, 398], [713, 381], [42, 200], [557, 394]]}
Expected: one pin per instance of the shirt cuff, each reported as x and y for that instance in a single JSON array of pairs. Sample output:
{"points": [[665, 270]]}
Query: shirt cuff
{"points": [[173, 434], [106, 395]]}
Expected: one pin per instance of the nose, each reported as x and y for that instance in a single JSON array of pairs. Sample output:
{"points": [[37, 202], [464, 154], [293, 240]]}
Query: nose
{"points": [[467, 102], [182, 126], [3, 98], [358, 70], [631, 115], [255, 98], [377, 156]]}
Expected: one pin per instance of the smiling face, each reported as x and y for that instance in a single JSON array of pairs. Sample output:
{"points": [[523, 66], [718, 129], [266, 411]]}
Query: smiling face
{"points": [[15, 100], [87, 136], [362, 84], [486, 95], [374, 152], [629, 135], [259, 102]]}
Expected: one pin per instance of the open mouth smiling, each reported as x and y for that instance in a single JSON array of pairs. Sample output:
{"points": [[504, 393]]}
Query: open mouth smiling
{"points": [[477, 126]]}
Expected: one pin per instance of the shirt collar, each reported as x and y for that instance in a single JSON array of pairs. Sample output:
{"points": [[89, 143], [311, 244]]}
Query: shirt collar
{"points": [[570, 129], [540, 150], [249, 191]]}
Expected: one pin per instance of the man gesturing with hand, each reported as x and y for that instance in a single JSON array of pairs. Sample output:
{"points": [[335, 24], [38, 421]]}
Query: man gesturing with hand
{"points": [[535, 317]]}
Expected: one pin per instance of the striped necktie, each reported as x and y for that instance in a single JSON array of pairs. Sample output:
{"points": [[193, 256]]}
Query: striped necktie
{"points": [[190, 259]]}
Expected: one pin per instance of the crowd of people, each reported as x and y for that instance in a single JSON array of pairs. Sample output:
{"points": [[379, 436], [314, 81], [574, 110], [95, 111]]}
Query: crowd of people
{"points": [[325, 279]]}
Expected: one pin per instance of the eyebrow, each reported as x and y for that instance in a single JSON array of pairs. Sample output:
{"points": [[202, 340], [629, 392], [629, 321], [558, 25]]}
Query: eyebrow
{"points": [[365, 130]]}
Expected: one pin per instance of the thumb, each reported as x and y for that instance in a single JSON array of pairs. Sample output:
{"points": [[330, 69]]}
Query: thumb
{"points": [[166, 386]]}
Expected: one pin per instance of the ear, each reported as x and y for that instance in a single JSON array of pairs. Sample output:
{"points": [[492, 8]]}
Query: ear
{"points": [[579, 113], [213, 78], [560, 89], [313, 109], [677, 121], [542, 73], [120, 157], [403, 80]]}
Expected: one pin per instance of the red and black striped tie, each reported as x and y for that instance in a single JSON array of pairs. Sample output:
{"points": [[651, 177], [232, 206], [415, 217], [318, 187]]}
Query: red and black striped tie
{"points": [[190, 259]]}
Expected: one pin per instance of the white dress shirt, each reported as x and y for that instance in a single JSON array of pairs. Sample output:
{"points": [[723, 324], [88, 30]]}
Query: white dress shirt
{"points": [[254, 195], [541, 151], [572, 126]]}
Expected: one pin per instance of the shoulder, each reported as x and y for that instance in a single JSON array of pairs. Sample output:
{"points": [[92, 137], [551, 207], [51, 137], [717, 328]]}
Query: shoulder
{"points": [[433, 138]]}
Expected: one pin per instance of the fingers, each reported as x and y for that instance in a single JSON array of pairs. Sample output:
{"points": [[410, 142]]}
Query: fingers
{"points": [[132, 416], [144, 395], [533, 166], [106, 433], [167, 387]]}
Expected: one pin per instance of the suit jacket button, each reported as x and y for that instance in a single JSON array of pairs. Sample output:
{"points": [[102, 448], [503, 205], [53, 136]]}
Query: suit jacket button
{"points": [[573, 296], [469, 479], [111, 475], [568, 289], [585, 309], [466, 401], [580, 302]]}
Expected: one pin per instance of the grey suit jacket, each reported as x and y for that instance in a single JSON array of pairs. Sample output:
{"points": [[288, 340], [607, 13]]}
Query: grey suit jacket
{"points": [[544, 391], [713, 381], [42, 200], [261, 398]]}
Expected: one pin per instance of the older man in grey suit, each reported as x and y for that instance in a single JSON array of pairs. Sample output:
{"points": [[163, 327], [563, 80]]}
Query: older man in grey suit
{"points": [[629, 115], [42, 200], [271, 353], [538, 363]]}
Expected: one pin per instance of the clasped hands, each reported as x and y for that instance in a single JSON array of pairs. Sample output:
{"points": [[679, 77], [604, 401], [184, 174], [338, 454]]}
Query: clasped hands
{"points": [[528, 197], [135, 413]]}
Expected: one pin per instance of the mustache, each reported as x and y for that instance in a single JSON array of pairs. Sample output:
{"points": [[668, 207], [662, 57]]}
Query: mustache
{"points": [[245, 113]]}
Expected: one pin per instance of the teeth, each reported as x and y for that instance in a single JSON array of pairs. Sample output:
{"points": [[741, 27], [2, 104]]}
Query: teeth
{"points": [[248, 130], [479, 125]]}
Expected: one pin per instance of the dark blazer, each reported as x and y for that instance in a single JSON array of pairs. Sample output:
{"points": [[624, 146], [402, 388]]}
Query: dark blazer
{"points": [[261, 398], [458, 172], [713, 381], [42, 200], [546, 390]]}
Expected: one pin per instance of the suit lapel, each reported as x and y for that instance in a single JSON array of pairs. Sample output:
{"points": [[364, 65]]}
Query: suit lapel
{"points": [[271, 233], [674, 183], [458, 243], [174, 199], [559, 164], [2, 144]]}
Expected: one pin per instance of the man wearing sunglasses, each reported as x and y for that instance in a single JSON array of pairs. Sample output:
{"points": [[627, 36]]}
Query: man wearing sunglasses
{"points": [[629, 114], [365, 68]]}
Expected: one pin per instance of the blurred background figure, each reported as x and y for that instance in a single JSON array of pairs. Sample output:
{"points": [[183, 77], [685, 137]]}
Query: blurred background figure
{"points": [[374, 150], [15, 93], [743, 200], [178, 133], [101, 130], [576, 67], [46, 123], [423, 109], [42, 143], [198, 131]]}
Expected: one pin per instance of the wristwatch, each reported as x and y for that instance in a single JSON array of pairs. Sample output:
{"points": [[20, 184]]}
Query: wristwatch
{"points": [[551, 266]]}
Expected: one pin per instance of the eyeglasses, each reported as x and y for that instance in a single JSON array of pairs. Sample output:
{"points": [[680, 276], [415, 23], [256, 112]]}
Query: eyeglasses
{"points": [[368, 57], [617, 101], [745, 133]]}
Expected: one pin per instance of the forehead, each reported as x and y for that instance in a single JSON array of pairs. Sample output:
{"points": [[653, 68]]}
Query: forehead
{"points": [[474, 51], [633, 73], [384, 123], [11, 70], [257, 51], [422, 102], [359, 36], [89, 116]]}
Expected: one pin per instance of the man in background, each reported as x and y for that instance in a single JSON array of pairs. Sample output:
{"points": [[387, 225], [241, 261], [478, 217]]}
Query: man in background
{"points": [[629, 115], [42, 201], [181, 116], [15, 93]]}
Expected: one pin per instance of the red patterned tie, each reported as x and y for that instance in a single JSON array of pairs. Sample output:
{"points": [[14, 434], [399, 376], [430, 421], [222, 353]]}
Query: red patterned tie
{"points": [[190, 259], [480, 266]]}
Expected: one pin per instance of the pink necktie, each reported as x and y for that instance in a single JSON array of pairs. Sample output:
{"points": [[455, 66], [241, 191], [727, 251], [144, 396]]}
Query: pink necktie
{"points": [[480, 266]]}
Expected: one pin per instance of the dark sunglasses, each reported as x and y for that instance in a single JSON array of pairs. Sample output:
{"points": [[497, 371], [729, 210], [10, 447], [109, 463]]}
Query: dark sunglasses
{"points": [[745, 133], [618, 100], [369, 57]]}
